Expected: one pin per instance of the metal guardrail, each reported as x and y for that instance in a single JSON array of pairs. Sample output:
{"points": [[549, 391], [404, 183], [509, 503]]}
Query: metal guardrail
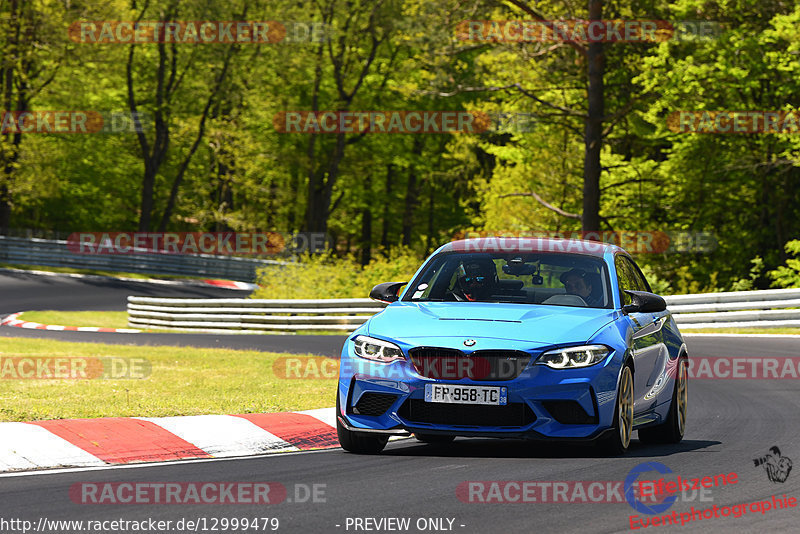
{"points": [[742, 309], [250, 314], [54, 253], [737, 309]]}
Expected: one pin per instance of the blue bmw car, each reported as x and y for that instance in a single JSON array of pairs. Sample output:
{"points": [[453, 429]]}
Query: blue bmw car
{"points": [[541, 339]]}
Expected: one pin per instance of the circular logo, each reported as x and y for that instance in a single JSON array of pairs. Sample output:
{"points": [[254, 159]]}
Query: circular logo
{"points": [[630, 485], [469, 342]]}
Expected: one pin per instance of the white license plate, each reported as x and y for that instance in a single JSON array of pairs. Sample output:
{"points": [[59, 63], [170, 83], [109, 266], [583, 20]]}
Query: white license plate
{"points": [[455, 394]]}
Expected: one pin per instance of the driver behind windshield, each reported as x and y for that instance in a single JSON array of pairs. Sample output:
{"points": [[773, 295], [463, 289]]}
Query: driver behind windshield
{"points": [[578, 282], [476, 283]]}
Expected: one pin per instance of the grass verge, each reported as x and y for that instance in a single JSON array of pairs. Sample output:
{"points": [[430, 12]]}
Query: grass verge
{"points": [[182, 381], [104, 319]]}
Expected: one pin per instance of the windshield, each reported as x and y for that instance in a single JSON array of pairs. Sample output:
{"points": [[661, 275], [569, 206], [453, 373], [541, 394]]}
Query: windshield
{"points": [[550, 279]]}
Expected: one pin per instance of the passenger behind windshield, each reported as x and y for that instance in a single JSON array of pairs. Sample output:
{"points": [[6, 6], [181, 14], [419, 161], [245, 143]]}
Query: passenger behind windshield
{"points": [[579, 282]]}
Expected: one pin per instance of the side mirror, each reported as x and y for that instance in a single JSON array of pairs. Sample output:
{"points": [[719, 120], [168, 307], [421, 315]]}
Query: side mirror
{"points": [[386, 292], [644, 302]]}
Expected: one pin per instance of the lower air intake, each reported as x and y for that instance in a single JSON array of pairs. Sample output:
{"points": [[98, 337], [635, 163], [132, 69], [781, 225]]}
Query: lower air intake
{"points": [[374, 403], [468, 415]]}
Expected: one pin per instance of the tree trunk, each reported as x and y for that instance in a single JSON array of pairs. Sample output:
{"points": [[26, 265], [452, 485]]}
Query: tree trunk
{"points": [[320, 189], [386, 216], [294, 184], [431, 217], [152, 156], [146, 206], [366, 225], [593, 140], [9, 146], [412, 192], [223, 197]]}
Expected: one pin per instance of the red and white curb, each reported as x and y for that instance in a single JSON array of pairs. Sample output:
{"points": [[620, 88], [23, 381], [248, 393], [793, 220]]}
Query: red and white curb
{"points": [[231, 284], [228, 284], [12, 320], [126, 440]]}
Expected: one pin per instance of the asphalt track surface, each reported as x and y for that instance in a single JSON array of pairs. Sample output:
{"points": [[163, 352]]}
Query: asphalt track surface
{"points": [[730, 423], [23, 292]]}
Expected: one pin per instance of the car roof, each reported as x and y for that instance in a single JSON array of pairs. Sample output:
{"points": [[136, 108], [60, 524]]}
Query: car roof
{"points": [[530, 244]]}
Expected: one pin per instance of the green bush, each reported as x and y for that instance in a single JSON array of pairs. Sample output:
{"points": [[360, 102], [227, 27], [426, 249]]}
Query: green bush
{"points": [[749, 283], [788, 275], [324, 276]]}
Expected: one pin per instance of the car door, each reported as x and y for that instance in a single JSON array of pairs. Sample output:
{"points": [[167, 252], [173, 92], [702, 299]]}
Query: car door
{"points": [[647, 347]]}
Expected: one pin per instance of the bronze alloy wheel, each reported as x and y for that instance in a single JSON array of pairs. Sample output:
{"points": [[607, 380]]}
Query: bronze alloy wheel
{"points": [[682, 397], [625, 407]]}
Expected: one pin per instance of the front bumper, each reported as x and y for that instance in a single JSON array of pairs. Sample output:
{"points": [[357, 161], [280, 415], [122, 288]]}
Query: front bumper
{"points": [[543, 403]]}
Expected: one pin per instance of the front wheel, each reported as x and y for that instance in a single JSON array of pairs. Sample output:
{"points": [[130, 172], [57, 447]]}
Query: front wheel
{"points": [[617, 443], [358, 442], [671, 430]]}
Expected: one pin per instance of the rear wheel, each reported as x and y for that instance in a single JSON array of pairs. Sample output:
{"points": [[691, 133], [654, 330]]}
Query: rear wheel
{"points": [[433, 438], [358, 442], [618, 442], [671, 430]]}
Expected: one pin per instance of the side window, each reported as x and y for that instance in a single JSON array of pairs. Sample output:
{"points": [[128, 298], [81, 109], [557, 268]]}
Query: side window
{"points": [[641, 281], [626, 280]]}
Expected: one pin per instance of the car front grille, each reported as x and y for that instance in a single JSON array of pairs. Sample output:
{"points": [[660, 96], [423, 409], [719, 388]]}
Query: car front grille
{"points": [[481, 365], [469, 415], [374, 404]]}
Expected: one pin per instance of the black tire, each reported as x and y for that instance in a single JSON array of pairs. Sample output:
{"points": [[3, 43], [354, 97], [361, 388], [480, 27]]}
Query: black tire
{"points": [[358, 442], [618, 441], [672, 429], [434, 438]]}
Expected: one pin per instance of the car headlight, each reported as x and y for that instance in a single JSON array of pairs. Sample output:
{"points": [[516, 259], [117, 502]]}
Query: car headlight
{"points": [[377, 350], [573, 357]]}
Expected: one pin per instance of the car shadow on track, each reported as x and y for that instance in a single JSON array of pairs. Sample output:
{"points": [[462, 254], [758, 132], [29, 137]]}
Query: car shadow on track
{"points": [[504, 448]]}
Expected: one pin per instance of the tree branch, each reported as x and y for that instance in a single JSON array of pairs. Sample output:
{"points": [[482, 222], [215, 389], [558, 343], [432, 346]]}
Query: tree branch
{"points": [[631, 181], [544, 203], [538, 16]]}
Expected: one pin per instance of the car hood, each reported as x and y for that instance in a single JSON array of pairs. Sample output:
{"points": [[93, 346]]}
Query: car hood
{"points": [[537, 324]]}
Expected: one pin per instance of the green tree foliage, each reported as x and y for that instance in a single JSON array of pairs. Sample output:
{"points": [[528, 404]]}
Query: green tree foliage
{"points": [[788, 275], [212, 159]]}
